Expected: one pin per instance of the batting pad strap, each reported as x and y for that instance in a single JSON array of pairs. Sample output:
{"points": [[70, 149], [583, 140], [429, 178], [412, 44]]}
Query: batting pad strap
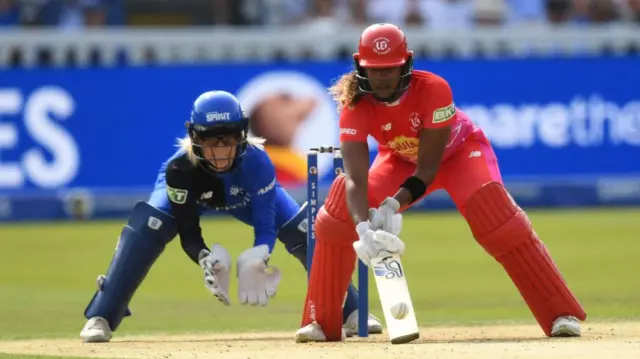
{"points": [[415, 186]]}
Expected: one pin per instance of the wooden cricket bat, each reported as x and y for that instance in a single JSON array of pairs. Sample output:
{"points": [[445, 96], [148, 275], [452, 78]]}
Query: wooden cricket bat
{"points": [[395, 299]]}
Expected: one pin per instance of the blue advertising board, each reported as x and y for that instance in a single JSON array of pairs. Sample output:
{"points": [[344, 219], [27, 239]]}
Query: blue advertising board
{"points": [[561, 121]]}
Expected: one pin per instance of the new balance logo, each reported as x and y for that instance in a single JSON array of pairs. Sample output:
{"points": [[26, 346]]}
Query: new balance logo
{"points": [[207, 195]]}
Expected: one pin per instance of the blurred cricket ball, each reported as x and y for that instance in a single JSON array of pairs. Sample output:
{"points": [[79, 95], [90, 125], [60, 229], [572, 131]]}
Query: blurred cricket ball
{"points": [[399, 310]]}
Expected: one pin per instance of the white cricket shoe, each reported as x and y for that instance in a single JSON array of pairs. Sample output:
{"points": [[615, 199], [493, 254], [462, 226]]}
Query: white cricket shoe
{"points": [[96, 331], [566, 327], [351, 324], [312, 333]]}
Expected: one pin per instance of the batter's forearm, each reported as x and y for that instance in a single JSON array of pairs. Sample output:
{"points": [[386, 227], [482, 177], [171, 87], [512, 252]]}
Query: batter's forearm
{"points": [[357, 201], [404, 196]]}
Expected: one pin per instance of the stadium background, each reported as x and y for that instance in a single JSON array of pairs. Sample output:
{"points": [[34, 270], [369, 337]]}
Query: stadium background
{"points": [[108, 90], [93, 95]]}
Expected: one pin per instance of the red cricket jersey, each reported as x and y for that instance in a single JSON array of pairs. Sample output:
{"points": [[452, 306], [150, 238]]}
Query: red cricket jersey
{"points": [[427, 103]]}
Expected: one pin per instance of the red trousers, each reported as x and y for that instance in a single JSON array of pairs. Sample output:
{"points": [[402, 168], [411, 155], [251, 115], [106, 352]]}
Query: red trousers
{"points": [[472, 164]]}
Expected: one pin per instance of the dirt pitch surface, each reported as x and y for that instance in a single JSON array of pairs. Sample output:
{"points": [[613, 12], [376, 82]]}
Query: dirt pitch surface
{"points": [[599, 340]]}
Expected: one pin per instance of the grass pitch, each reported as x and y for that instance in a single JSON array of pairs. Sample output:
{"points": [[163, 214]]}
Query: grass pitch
{"points": [[48, 271]]}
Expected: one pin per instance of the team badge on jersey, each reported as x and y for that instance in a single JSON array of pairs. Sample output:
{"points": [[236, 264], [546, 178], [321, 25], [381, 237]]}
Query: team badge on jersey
{"points": [[414, 119]]}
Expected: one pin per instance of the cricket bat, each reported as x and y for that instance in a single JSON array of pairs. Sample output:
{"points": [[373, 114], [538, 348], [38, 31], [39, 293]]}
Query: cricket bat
{"points": [[395, 299]]}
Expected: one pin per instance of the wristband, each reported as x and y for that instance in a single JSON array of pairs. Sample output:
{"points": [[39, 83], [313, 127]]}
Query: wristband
{"points": [[415, 186]]}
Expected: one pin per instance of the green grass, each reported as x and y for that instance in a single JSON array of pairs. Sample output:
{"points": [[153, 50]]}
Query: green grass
{"points": [[48, 271]]}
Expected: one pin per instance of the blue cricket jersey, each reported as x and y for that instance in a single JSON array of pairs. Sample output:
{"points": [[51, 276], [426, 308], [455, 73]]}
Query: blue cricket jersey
{"points": [[250, 193]]}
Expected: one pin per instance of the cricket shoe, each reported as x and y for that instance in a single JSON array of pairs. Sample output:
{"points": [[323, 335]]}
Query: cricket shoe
{"points": [[566, 327], [313, 333], [96, 331], [351, 324]]}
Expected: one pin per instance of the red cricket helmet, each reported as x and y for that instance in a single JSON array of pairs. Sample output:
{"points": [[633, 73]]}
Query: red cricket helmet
{"points": [[383, 45]]}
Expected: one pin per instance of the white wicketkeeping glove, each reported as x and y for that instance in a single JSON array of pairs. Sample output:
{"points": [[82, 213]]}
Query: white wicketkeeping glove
{"points": [[255, 283], [374, 244], [386, 217], [216, 265]]}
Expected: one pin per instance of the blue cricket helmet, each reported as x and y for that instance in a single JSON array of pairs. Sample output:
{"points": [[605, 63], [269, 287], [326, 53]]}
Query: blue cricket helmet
{"points": [[217, 114]]}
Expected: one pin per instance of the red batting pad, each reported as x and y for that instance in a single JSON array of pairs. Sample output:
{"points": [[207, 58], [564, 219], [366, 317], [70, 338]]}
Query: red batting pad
{"points": [[331, 271], [505, 232], [336, 202]]}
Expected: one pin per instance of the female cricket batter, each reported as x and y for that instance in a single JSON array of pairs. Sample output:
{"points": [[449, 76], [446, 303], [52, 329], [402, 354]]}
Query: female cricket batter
{"points": [[425, 145]]}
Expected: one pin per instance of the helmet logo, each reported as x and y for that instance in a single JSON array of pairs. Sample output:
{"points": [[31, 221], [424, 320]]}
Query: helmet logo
{"points": [[218, 116], [381, 45]]}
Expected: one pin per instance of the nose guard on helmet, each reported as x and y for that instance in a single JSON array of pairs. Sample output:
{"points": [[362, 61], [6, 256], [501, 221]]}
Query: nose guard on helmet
{"points": [[363, 80], [199, 133], [215, 157]]}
